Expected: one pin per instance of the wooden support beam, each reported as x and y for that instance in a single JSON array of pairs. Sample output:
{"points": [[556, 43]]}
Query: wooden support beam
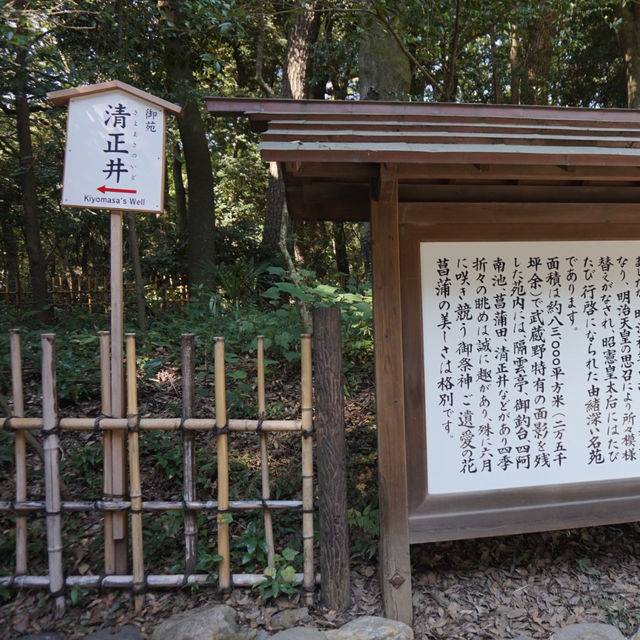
{"points": [[392, 465]]}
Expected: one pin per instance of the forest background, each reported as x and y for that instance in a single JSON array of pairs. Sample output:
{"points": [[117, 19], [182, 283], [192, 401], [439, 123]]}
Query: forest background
{"points": [[225, 219], [224, 240]]}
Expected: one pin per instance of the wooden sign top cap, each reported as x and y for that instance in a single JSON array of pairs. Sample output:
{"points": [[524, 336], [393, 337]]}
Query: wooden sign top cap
{"points": [[62, 97]]}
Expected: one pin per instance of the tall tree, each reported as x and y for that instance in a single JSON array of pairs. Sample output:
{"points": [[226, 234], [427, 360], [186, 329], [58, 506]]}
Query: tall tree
{"points": [[181, 83], [21, 40], [385, 74], [300, 38], [630, 42]]}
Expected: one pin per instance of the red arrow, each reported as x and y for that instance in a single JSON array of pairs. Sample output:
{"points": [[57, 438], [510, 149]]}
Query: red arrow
{"points": [[104, 189]]}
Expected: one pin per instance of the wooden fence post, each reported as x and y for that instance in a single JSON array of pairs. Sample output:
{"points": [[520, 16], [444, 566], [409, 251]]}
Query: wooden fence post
{"points": [[104, 338], [331, 456], [188, 451], [308, 582], [222, 451], [20, 447], [52, 473], [135, 488]]}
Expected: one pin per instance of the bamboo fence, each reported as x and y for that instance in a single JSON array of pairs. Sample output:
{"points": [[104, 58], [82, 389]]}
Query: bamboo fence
{"points": [[93, 292], [50, 424]]}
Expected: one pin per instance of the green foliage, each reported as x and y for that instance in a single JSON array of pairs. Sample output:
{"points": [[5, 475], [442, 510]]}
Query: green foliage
{"points": [[251, 546], [207, 562], [357, 317], [280, 579], [77, 594], [364, 529], [77, 352]]}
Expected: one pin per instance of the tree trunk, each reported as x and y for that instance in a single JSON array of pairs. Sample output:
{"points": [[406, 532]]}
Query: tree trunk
{"points": [[385, 72], [9, 244], [331, 452], [302, 35], [451, 76], [342, 257], [630, 41], [137, 271], [31, 216], [275, 218], [540, 50], [201, 208], [181, 208], [495, 70], [515, 66], [300, 38], [364, 235]]}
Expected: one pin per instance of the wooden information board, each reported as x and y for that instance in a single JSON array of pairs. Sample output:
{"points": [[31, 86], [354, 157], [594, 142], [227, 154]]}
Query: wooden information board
{"points": [[522, 399], [530, 375]]}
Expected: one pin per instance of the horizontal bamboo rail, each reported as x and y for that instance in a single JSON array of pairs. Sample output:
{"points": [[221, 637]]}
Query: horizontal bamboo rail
{"points": [[159, 581], [153, 424], [28, 506]]}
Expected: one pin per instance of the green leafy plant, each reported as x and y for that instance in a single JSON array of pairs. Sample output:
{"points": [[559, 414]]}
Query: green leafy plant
{"points": [[77, 594], [251, 546], [208, 562], [281, 578], [364, 526]]}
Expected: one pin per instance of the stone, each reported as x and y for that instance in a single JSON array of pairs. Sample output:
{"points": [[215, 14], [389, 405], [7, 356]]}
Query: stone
{"points": [[588, 631], [128, 632], [211, 622], [51, 635], [371, 628], [289, 618], [299, 633]]}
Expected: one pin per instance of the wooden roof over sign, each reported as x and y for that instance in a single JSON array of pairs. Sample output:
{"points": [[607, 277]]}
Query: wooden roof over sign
{"points": [[61, 97], [332, 150]]}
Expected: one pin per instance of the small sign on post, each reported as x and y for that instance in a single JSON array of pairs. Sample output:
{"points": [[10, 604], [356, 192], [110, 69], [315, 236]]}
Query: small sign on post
{"points": [[114, 159], [114, 156]]}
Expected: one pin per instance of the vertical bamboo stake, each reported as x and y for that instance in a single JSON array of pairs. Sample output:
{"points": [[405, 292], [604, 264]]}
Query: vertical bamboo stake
{"points": [[20, 450], [52, 473], [307, 467], [118, 447], [188, 452], [264, 460], [107, 488], [224, 567], [135, 489]]}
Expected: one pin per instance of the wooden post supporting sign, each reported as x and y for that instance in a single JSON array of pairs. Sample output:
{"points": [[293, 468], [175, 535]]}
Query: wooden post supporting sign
{"points": [[115, 160], [116, 537], [387, 316]]}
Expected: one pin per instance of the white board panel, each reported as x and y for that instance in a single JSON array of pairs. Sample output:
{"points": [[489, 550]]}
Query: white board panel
{"points": [[114, 157], [531, 354]]}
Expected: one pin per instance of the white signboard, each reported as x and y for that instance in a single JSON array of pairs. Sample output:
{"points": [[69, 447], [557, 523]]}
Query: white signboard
{"points": [[114, 156], [531, 363]]}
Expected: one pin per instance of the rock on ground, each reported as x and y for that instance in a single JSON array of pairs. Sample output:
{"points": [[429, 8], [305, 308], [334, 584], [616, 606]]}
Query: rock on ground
{"points": [[588, 631], [211, 621], [128, 632], [289, 618], [299, 633], [371, 628]]}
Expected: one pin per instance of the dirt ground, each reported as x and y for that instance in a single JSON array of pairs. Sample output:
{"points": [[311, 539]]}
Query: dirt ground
{"points": [[494, 588], [491, 588]]}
